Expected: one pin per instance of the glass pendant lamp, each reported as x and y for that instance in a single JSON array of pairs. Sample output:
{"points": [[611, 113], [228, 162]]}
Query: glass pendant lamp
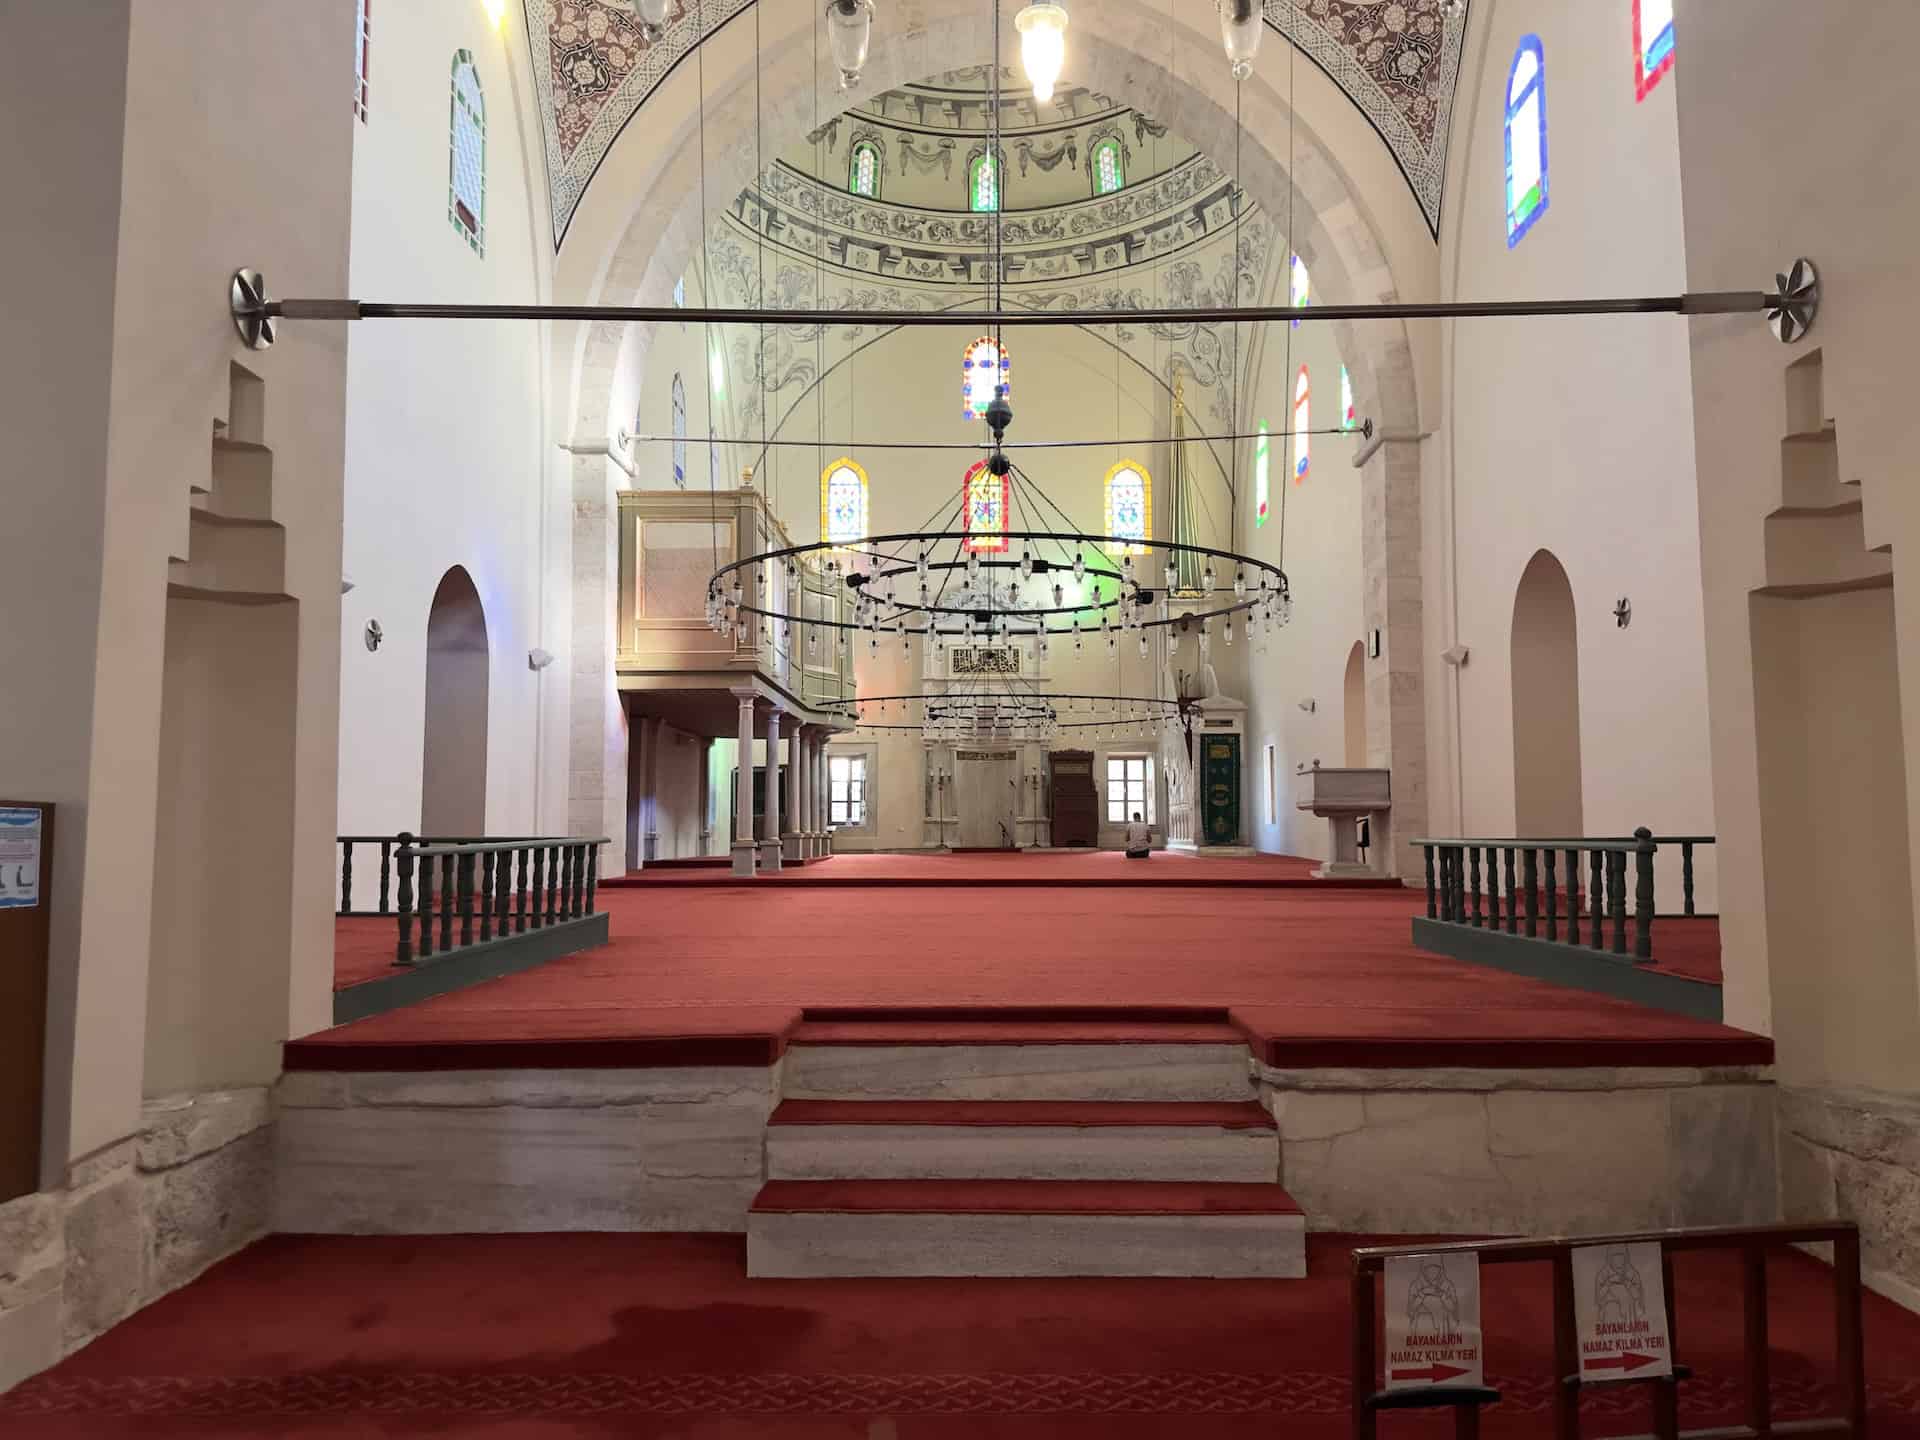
{"points": [[849, 33], [1043, 45]]}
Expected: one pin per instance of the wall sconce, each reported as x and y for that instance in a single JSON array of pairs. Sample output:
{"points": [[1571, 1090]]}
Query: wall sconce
{"points": [[538, 659], [373, 635], [1309, 706], [1455, 656]]}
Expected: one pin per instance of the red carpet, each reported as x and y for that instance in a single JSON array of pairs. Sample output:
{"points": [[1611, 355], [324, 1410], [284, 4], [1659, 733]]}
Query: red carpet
{"points": [[663, 1335], [1316, 977]]}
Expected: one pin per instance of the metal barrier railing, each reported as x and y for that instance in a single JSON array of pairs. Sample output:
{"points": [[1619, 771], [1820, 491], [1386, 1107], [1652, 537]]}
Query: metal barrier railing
{"points": [[1753, 1243]]}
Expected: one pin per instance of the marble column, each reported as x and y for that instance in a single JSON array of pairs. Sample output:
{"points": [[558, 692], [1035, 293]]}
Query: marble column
{"points": [[706, 796], [822, 797], [809, 832], [791, 851], [770, 842], [743, 846]]}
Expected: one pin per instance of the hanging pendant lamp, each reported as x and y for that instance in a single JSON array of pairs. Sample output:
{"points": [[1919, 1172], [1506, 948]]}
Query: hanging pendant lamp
{"points": [[849, 33], [1043, 45], [1240, 27]]}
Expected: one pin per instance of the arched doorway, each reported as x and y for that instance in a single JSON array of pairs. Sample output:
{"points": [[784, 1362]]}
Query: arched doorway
{"points": [[1546, 702], [1355, 700], [453, 768]]}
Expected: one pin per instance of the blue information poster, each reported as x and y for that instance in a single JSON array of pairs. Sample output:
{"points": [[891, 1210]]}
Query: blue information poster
{"points": [[19, 857]]}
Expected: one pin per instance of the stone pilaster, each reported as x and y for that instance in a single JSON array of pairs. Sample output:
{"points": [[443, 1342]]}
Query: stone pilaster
{"points": [[597, 722], [1396, 713]]}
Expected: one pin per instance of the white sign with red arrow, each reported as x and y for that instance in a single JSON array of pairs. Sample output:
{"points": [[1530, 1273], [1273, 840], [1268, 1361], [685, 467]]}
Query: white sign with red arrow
{"points": [[1620, 1309], [1433, 1321]]}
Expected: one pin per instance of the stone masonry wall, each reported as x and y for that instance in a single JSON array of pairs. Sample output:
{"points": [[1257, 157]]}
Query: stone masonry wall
{"points": [[1855, 1155]]}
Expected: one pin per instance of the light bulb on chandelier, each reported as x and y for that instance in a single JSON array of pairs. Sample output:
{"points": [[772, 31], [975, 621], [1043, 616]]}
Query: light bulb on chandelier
{"points": [[1240, 30], [1043, 45], [653, 19]]}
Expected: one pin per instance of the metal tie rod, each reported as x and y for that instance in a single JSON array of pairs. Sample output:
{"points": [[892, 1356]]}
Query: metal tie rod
{"points": [[1790, 308]]}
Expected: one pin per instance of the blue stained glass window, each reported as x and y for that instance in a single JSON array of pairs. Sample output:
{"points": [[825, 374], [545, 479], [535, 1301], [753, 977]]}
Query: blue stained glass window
{"points": [[984, 365], [467, 154], [1302, 425], [1299, 285], [1130, 505], [1526, 131], [679, 433], [361, 42], [1652, 44]]}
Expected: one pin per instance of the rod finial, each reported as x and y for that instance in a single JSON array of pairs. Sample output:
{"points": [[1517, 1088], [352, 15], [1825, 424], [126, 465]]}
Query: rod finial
{"points": [[247, 303], [1796, 302]]}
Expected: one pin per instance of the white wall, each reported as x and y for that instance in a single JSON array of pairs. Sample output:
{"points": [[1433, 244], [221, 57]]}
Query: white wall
{"points": [[1573, 435], [448, 458]]}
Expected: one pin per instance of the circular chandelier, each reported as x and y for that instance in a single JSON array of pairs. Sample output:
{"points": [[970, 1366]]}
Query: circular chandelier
{"points": [[906, 590]]}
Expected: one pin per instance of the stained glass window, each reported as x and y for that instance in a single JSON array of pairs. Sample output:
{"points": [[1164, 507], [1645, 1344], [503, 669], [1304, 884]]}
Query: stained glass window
{"points": [[1302, 423], [843, 502], [1109, 171], [1526, 139], [679, 433], [467, 154], [1130, 505], [983, 514], [1260, 458], [984, 365], [863, 170], [1299, 285], [983, 183], [360, 44], [1347, 418], [1652, 44]]}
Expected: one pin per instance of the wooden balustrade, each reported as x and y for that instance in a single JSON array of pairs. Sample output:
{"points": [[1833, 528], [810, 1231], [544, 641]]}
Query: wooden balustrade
{"points": [[388, 846], [1752, 1244], [1533, 907], [493, 889]]}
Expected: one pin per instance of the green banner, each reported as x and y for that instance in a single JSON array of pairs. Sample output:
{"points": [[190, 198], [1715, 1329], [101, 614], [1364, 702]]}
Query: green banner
{"points": [[1220, 789]]}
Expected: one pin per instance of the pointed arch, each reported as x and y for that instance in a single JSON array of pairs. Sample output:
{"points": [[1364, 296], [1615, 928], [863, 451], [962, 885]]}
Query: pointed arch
{"points": [[1526, 132], [1129, 492], [453, 766], [467, 154], [843, 503], [1546, 702]]}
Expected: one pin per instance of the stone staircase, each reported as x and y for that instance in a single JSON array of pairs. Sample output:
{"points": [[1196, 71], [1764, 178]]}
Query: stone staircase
{"points": [[1021, 1146], [236, 551], [1815, 539]]}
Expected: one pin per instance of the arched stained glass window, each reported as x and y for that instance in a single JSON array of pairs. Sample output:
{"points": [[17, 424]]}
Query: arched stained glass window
{"points": [[983, 366], [843, 502], [1260, 464], [1526, 139], [983, 184], [1347, 418], [1652, 44], [983, 510], [1109, 167], [679, 432], [1130, 505], [1299, 285], [1302, 423], [863, 170], [361, 42], [467, 154]]}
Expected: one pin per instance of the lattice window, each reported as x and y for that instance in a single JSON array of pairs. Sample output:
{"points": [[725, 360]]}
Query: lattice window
{"points": [[1299, 285], [679, 433], [1261, 459], [983, 365], [361, 42], [467, 154], [1348, 420], [1526, 139], [983, 184], [846, 789], [983, 512], [1128, 793], [1130, 505], [863, 170], [843, 503], [1302, 423], [1652, 44], [1109, 167]]}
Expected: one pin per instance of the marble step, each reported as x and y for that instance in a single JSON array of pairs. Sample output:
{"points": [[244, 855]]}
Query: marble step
{"points": [[800, 1228], [980, 1060], [1021, 1140]]}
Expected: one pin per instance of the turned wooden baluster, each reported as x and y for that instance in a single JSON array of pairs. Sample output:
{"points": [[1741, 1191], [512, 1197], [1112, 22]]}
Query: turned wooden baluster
{"points": [[1513, 897], [486, 895], [539, 886], [593, 874], [423, 908], [1686, 876], [1617, 898], [1530, 873], [346, 877], [1599, 874], [521, 860], [1573, 897], [553, 884], [1643, 894], [386, 857], [463, 873], [1432, 911], [1493, 888], [1553, 896], [503, 894], [447, 868], [1473, 873], [403, 953]]}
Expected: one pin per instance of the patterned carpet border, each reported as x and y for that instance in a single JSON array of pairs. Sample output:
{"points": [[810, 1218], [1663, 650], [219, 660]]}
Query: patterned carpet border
{"points": [[495, 1394]]}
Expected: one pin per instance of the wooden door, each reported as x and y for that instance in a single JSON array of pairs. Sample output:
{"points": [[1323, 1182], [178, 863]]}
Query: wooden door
{"points": [[1076, 800], [26, 864]]}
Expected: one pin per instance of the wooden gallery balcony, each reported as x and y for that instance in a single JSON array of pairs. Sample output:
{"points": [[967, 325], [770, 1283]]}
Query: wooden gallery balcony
{"points": [[671, 663]]}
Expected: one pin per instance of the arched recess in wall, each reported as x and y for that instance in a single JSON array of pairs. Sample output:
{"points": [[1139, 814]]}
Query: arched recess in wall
{"points": [[1354, 692], [453, 768], [1546, 702]]}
